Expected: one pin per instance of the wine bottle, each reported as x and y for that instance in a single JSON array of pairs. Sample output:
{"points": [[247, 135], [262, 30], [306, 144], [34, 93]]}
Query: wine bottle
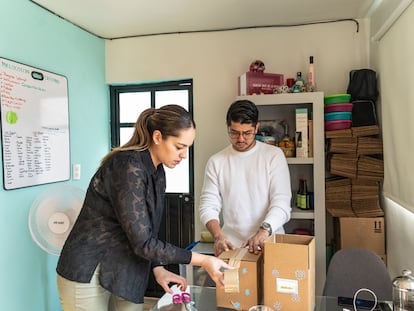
{"points": [[302, 195]]}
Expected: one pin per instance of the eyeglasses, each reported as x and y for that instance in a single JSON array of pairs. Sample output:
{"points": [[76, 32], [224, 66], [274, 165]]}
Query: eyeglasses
{"points": [[246, 134]]}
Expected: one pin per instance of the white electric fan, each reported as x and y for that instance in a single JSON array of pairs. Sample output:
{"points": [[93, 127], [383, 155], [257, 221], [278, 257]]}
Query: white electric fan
{"points": [[53, 214]]}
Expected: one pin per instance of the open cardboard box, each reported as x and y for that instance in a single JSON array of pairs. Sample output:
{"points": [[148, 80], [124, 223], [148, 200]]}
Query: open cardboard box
{"points": [[249, 275], [289, 272]]}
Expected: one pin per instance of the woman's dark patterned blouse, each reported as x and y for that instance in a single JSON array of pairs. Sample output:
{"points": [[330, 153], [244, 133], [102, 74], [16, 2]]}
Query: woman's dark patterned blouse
{"points": [[118, 228]]}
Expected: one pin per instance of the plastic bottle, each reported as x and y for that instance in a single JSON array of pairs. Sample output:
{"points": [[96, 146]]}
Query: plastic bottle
{"points": [[310, 86]]}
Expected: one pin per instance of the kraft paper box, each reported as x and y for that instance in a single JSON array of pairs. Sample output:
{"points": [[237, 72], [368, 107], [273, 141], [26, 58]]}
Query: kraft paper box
{"points": [[362, 232], [245, 288], [289, 272], [259, 83]]}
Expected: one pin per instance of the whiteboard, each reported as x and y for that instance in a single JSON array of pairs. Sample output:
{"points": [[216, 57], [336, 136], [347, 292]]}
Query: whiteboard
{"points": [[34, 125]]}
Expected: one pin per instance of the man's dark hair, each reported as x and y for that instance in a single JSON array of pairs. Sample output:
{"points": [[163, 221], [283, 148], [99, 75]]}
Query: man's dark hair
{"points": [[242, 111]]}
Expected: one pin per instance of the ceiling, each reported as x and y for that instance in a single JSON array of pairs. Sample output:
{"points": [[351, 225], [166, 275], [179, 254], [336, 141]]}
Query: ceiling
{"points": [[113, 19]]}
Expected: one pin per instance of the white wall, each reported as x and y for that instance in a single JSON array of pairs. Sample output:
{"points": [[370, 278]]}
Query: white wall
{"points": [[215, 60], [392, 56]]}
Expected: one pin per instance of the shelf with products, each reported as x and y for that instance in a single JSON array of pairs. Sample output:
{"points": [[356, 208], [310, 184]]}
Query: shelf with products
{"points": [[295, 160], [301, 214], [277, 110]]}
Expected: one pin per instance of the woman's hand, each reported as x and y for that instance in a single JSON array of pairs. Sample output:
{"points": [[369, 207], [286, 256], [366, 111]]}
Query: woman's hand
{"points": [[165, 277], [214, 266]]}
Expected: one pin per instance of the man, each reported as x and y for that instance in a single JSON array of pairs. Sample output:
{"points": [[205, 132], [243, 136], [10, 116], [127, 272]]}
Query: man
{"points": [[247, 183]]}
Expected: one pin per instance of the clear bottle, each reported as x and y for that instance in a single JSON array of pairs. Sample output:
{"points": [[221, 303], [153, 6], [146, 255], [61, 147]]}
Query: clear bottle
{"points": [[286, 143], [310, 86], [302, 195]]}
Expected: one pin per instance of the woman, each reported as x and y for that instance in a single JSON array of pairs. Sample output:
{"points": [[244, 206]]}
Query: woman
{"points": [[107, 257]]}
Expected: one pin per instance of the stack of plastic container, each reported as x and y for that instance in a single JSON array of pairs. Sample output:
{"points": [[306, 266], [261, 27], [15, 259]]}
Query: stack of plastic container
{"points": [[338, 112]]}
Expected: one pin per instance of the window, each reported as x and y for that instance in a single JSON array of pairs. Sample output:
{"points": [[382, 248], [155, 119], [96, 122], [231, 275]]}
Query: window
{"points": [[128, 101]]}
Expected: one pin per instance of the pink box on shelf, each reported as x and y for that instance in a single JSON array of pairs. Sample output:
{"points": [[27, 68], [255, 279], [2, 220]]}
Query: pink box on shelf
{"points": [[259, 83]]}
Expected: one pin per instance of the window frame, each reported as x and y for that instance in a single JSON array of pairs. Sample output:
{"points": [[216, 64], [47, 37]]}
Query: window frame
{"points": [[153, 87]]}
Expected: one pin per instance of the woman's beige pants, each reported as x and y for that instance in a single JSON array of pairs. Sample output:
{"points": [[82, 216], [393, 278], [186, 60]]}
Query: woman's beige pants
{"points": [[91, 296]]}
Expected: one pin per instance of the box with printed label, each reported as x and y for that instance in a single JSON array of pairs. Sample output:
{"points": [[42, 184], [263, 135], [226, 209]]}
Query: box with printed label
{"points": [[243, 285], [259, 83], [362, 232], [289, 272], [301, 133]]}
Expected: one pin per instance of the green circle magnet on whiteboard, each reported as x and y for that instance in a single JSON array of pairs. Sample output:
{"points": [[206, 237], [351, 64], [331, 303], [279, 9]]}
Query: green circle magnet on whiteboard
{"points": [[11, 117]]}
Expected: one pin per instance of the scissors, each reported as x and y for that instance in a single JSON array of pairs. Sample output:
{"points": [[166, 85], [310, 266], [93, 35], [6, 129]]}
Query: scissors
{"points": [[185, 298]]}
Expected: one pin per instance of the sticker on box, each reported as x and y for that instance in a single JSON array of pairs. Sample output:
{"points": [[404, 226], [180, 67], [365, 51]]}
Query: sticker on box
{"points": [[287, 286]]}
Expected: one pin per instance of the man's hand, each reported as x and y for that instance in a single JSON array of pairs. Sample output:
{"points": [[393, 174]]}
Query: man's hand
{"points": [[164, 277], [256, 242], [221, 244]]}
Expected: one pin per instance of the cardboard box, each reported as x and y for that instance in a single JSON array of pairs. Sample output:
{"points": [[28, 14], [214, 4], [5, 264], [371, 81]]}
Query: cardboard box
{"points": [[251, 83], [289, 272], [301, 133], [245, 288], [359, 232]]}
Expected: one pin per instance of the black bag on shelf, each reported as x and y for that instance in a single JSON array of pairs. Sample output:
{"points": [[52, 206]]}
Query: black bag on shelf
{"points": [[363, 113], [363, 85]]}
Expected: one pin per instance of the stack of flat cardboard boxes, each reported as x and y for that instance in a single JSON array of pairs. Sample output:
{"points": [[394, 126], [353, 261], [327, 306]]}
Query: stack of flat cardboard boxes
{"points": [[356, 169]]}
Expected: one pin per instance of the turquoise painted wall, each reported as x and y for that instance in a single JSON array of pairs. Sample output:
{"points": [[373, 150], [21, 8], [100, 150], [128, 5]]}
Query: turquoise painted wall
{"points": [[35, 37]]}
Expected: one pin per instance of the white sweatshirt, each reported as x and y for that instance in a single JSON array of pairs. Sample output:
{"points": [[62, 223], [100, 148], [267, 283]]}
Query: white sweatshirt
{"points": [[248, 188]]}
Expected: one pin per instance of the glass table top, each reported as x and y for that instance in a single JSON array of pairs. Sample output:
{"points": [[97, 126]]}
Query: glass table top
{"points": [[204, 299]]}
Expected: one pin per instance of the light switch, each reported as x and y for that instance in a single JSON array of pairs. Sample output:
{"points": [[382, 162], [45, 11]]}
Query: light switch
{"points": [[76, 171]]}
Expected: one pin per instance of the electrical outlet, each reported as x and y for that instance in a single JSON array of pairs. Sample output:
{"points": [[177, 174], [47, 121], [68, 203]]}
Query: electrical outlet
{"points": [[76, 173]]}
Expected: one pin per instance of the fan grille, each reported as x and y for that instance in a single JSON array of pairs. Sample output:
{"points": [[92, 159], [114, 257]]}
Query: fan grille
{"points": [[53, 214]]}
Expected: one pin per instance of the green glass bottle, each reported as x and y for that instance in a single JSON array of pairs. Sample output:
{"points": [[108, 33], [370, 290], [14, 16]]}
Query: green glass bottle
{"points": [[302, 195]]}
